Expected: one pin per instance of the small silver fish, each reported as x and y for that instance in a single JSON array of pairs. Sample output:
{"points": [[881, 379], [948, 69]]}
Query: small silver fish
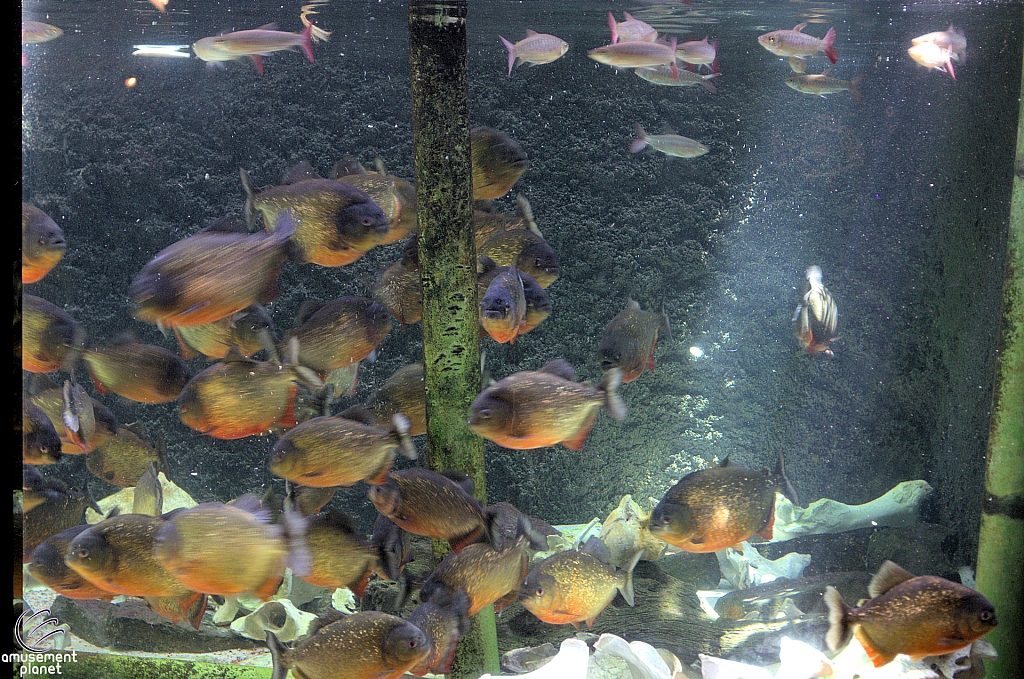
{"points": [[821, 84], [662, 75], [535, 48], [669, 144], [795, 43]]}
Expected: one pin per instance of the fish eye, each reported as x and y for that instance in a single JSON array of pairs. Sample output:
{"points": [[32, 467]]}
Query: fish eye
{"points": [[485, 413], [771, 39], [367, 221], [42, 241], [82, 553], [44, 449], [540, 591], [985, 616]]}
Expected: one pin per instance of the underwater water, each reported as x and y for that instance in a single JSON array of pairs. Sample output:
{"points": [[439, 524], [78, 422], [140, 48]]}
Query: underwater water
{"points": [[900, 198]]}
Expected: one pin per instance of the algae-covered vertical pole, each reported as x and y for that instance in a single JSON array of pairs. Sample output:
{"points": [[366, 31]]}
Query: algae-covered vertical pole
{"points": [[444, 194], [1000, 574]]}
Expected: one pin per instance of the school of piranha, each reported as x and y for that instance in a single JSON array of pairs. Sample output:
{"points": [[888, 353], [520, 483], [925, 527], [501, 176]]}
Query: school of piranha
{"points": [[206, 291]]}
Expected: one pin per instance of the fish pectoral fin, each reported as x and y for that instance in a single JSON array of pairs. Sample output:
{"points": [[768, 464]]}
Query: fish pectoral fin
{"points": [[576, 442], [766, 532], [877, 657], [460, 543]]}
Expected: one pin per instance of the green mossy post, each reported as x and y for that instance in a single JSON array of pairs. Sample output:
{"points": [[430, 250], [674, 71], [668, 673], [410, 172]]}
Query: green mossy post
{"points": [[1001, 543], [444, 194]]}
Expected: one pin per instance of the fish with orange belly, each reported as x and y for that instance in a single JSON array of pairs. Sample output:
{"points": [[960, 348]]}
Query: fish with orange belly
{"points": [[210, 275], [255, 44], [796, 43], [42, 244], [574, 586], [916, 616], [240, 397], [629, 340], [714, 508], [538, 408]]}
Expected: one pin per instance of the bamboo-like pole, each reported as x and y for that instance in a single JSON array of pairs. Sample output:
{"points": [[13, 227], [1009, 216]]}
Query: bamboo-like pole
{"points": [[1000, 574], [447, 255]]}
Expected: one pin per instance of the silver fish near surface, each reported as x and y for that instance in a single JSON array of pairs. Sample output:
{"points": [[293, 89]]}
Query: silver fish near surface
{"points": [[796, 43], [816, 316]]}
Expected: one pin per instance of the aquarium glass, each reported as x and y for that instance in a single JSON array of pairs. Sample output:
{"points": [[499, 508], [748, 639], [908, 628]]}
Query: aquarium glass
{"points": [[702, 198]]}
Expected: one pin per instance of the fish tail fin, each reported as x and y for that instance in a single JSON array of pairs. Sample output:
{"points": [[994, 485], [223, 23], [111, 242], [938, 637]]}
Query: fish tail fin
{"points": [[613, 402], [299, 558], [641, 139], [612, 24], [511, 53], [307, 42], [787, 488], [627, 587], [839, 628], [400, 425], [855, 88], [278, 652], [250, 194], [814, 276], [828, 47]]}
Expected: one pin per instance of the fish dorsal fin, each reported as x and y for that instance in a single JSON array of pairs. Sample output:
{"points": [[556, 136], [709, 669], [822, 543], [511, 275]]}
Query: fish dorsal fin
{"points": [[340, 521], [268, 27], [629, 17], [667, 129], [705, 40], [486, 265], [126, 337], [632, 304], [461, 479], [560, 368], [225, 224], [827, 71], [378, 164], [724, 462], [530, 32], [329, 616], [799, 27], [307, 309], [523, 204], [235, 355], [137, 428], [888, 576], [346, 167], [359, 413], [597, 549], [302, 171]]}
